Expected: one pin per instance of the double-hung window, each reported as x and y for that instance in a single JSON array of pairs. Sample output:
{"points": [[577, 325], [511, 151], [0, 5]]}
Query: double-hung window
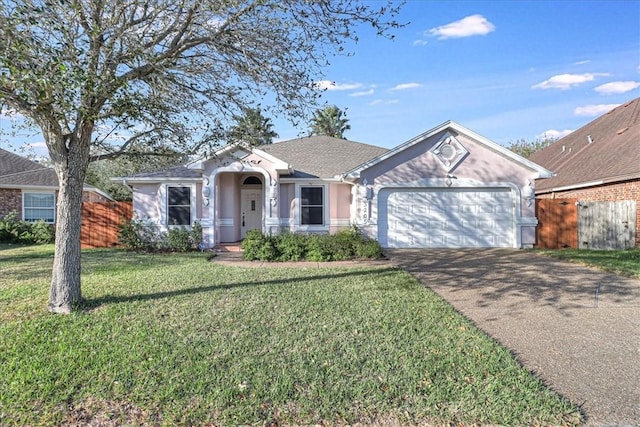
{"points": [[178, 205], [39, 206], [312, 205]]}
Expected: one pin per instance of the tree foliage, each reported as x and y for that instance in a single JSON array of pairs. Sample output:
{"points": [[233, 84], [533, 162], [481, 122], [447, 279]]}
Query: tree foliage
{"points": [[252, 128], [330, 121], [527, 148], [100, 172], [102, 77]]}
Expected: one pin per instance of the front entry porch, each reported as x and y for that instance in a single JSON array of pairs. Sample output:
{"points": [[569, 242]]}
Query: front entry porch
{"points": [[239, 202]]}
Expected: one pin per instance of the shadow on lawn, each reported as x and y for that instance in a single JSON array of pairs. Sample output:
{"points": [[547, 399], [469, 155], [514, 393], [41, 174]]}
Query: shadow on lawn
{"points": [[92, 304]]}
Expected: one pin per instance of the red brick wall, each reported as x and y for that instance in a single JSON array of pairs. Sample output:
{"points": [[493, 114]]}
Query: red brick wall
{"points": [[10, 201], [627, 190]]}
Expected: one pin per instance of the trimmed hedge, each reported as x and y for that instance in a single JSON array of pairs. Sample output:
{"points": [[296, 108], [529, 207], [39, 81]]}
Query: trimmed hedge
{"points": [[344, 245]]}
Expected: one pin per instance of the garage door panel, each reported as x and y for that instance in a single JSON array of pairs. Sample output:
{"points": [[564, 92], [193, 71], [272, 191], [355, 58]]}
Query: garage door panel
{"points": [[447, 218]]}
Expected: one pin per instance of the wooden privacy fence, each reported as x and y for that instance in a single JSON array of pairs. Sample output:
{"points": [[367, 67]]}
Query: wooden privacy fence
{"points": [[607, 225], [557, 223], [101, 221], [571, 223]]}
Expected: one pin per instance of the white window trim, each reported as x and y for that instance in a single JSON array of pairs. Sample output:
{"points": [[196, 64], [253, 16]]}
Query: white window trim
{"points": [[325, 208], [40, 192], [164, 204]]}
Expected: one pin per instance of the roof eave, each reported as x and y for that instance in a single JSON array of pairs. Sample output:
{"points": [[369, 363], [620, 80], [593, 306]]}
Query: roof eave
{"points": [[53, 188], [29, 187], [587, 184], [152, 180], [279, 165]]}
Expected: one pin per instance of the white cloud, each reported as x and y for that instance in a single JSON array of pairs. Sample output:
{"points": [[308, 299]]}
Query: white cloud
{"points": [[617, 87], [363, 93], [406, 86], [594, 110], [420, 42], [329, 85], [586, 61], [567, 81], [555, 134], [474, 25], [383, 102]]}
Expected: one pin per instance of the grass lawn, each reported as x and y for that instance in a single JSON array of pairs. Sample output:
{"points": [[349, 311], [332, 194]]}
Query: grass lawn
{"points": [[175, 339], [625, 262]]}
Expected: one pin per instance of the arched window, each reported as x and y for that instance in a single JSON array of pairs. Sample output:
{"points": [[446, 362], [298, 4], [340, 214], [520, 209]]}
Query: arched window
{"points": [[252, 180]]}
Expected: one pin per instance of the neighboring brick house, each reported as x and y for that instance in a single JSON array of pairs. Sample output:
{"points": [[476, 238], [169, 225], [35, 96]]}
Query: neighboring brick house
{"points": [[30, 189], [598, 162]]}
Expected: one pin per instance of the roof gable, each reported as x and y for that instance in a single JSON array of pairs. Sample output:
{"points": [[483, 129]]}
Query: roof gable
{"points": [[604, 150], [444, 128]]}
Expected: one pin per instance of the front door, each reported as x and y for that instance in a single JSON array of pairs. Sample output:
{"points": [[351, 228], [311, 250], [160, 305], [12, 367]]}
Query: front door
{"points": [[250, 211]]}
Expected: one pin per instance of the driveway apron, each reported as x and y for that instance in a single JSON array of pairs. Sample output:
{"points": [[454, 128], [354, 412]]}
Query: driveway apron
{"points": [[575, 327]]}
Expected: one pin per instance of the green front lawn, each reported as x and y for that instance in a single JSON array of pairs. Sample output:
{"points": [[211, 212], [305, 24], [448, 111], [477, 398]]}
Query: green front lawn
{"points": [[175, 339], [625, 262]]}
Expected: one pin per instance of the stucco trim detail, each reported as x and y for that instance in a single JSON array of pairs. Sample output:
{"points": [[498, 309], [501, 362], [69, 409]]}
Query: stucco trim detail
{"points": [[269, 215]]}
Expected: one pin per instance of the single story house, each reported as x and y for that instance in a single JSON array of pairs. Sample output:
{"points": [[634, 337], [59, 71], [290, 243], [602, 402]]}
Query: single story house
{"points": [[29, 189], [446, 188], [598, 162]]}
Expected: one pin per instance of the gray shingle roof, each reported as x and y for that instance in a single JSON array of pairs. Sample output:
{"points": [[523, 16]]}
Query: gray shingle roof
{"points": [[34, 178], [16, 170], [172, 172], [613, 155], [322, 156]]}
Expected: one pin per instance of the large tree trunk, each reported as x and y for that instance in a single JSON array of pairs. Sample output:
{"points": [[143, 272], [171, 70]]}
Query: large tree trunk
{"points": [[71, 168]]}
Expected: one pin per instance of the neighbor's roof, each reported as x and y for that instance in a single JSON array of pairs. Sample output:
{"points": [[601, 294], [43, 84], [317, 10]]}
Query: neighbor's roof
{"points": [[17, 171], [22, 173], [33, 178], [612, 155], [322, 156]]}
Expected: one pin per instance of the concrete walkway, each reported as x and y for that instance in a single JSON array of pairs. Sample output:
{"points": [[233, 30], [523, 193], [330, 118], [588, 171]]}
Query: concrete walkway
{"points": [[576, 327]]}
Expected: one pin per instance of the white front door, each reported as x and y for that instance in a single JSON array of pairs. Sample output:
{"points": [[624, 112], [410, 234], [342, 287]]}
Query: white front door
{"points": [[250, 211]]}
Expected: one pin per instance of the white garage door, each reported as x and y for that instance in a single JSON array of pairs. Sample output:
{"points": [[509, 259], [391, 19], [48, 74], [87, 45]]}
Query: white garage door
{"points": [[446, 218]]}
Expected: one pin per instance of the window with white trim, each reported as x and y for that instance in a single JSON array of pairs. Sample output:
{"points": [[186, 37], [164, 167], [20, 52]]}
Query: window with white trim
{"points": [[39, 206], [178, 205], [312, 205]]}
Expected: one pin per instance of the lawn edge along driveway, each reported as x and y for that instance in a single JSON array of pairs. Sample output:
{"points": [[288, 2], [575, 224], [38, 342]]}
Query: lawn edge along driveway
{"points": [[576, 327]]}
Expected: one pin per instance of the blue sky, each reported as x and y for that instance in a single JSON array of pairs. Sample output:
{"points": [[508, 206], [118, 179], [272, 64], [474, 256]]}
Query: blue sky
{"points": [[505, 69]]}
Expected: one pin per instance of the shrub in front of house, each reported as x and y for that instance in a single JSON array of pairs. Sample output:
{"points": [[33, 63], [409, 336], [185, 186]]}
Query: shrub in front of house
{"points": [[13, 230], [344, 245], [252, 243], [291, 246], [137, 235], [367, 248]]}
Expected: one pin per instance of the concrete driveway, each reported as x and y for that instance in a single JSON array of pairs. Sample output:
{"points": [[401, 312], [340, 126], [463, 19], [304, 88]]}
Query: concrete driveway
{"points": [[576, 327]]}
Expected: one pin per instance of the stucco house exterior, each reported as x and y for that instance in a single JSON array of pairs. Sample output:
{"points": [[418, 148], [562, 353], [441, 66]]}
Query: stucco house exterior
{"points": [[448, 187], [30, 189], [598, 162]]}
